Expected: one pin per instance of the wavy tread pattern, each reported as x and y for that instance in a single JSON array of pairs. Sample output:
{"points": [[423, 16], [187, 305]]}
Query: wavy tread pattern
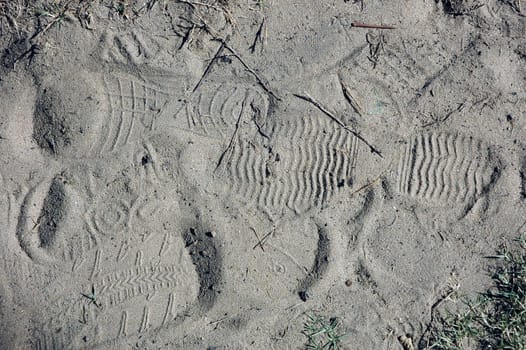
{"points": [[445, 167], [311, 159]]}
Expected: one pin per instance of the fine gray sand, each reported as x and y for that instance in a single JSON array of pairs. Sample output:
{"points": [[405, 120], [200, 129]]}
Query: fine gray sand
{"points": [[206, 175]]}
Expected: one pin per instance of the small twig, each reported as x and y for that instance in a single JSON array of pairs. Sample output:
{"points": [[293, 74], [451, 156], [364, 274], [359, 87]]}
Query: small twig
{"points": [[349, 97], [253, 72], [372, 183], [194, 242], [449, 114], [84, 315], [435, 305], [260, 131], [458, 109], [517, 7], [374, 47], [37, 223], [209, 66], [335, 119], [216, 37], [258, 38], [263, 240], [232, 139], [259, 240], [217, 321], [186, 36], [370, 26], [358, 1], [148, 5]]}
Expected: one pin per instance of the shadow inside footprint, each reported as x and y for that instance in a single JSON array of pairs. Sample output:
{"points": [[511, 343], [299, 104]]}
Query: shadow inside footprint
{"points": [[319, 266], [52, 214], [205, 257]]}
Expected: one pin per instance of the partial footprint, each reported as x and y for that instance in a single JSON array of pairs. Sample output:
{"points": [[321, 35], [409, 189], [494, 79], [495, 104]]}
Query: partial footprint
{"points": [[128, 262], [98, 113], [447, 169]]}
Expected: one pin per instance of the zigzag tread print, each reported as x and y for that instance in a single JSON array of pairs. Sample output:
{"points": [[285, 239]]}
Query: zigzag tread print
{"points": [[445, 167], [121, 286], [310, 159]]}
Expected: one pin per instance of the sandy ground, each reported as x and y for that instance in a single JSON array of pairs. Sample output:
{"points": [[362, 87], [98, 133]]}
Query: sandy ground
{"points": [[207, 175]]}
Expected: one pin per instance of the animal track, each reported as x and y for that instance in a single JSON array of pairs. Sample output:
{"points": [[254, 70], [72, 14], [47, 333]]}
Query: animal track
{"points": [[445, 167]]}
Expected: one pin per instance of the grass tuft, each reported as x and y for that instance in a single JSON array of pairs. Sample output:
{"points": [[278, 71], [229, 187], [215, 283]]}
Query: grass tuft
{"points": [[495, 319], [322, 334]]}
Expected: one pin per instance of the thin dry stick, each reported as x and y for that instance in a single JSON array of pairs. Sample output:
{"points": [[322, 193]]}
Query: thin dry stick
{"points": [[451, 290], [30, 53], [333, 117], [187, 37], [216, 37], [349, 97], [374, 48], [263, 240], [370, 26], [220, 320], [259, 240], [209, 66], [232, 142], [361, 4], [258, 38], [367, 185], [148, 5], [253, 72]]}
